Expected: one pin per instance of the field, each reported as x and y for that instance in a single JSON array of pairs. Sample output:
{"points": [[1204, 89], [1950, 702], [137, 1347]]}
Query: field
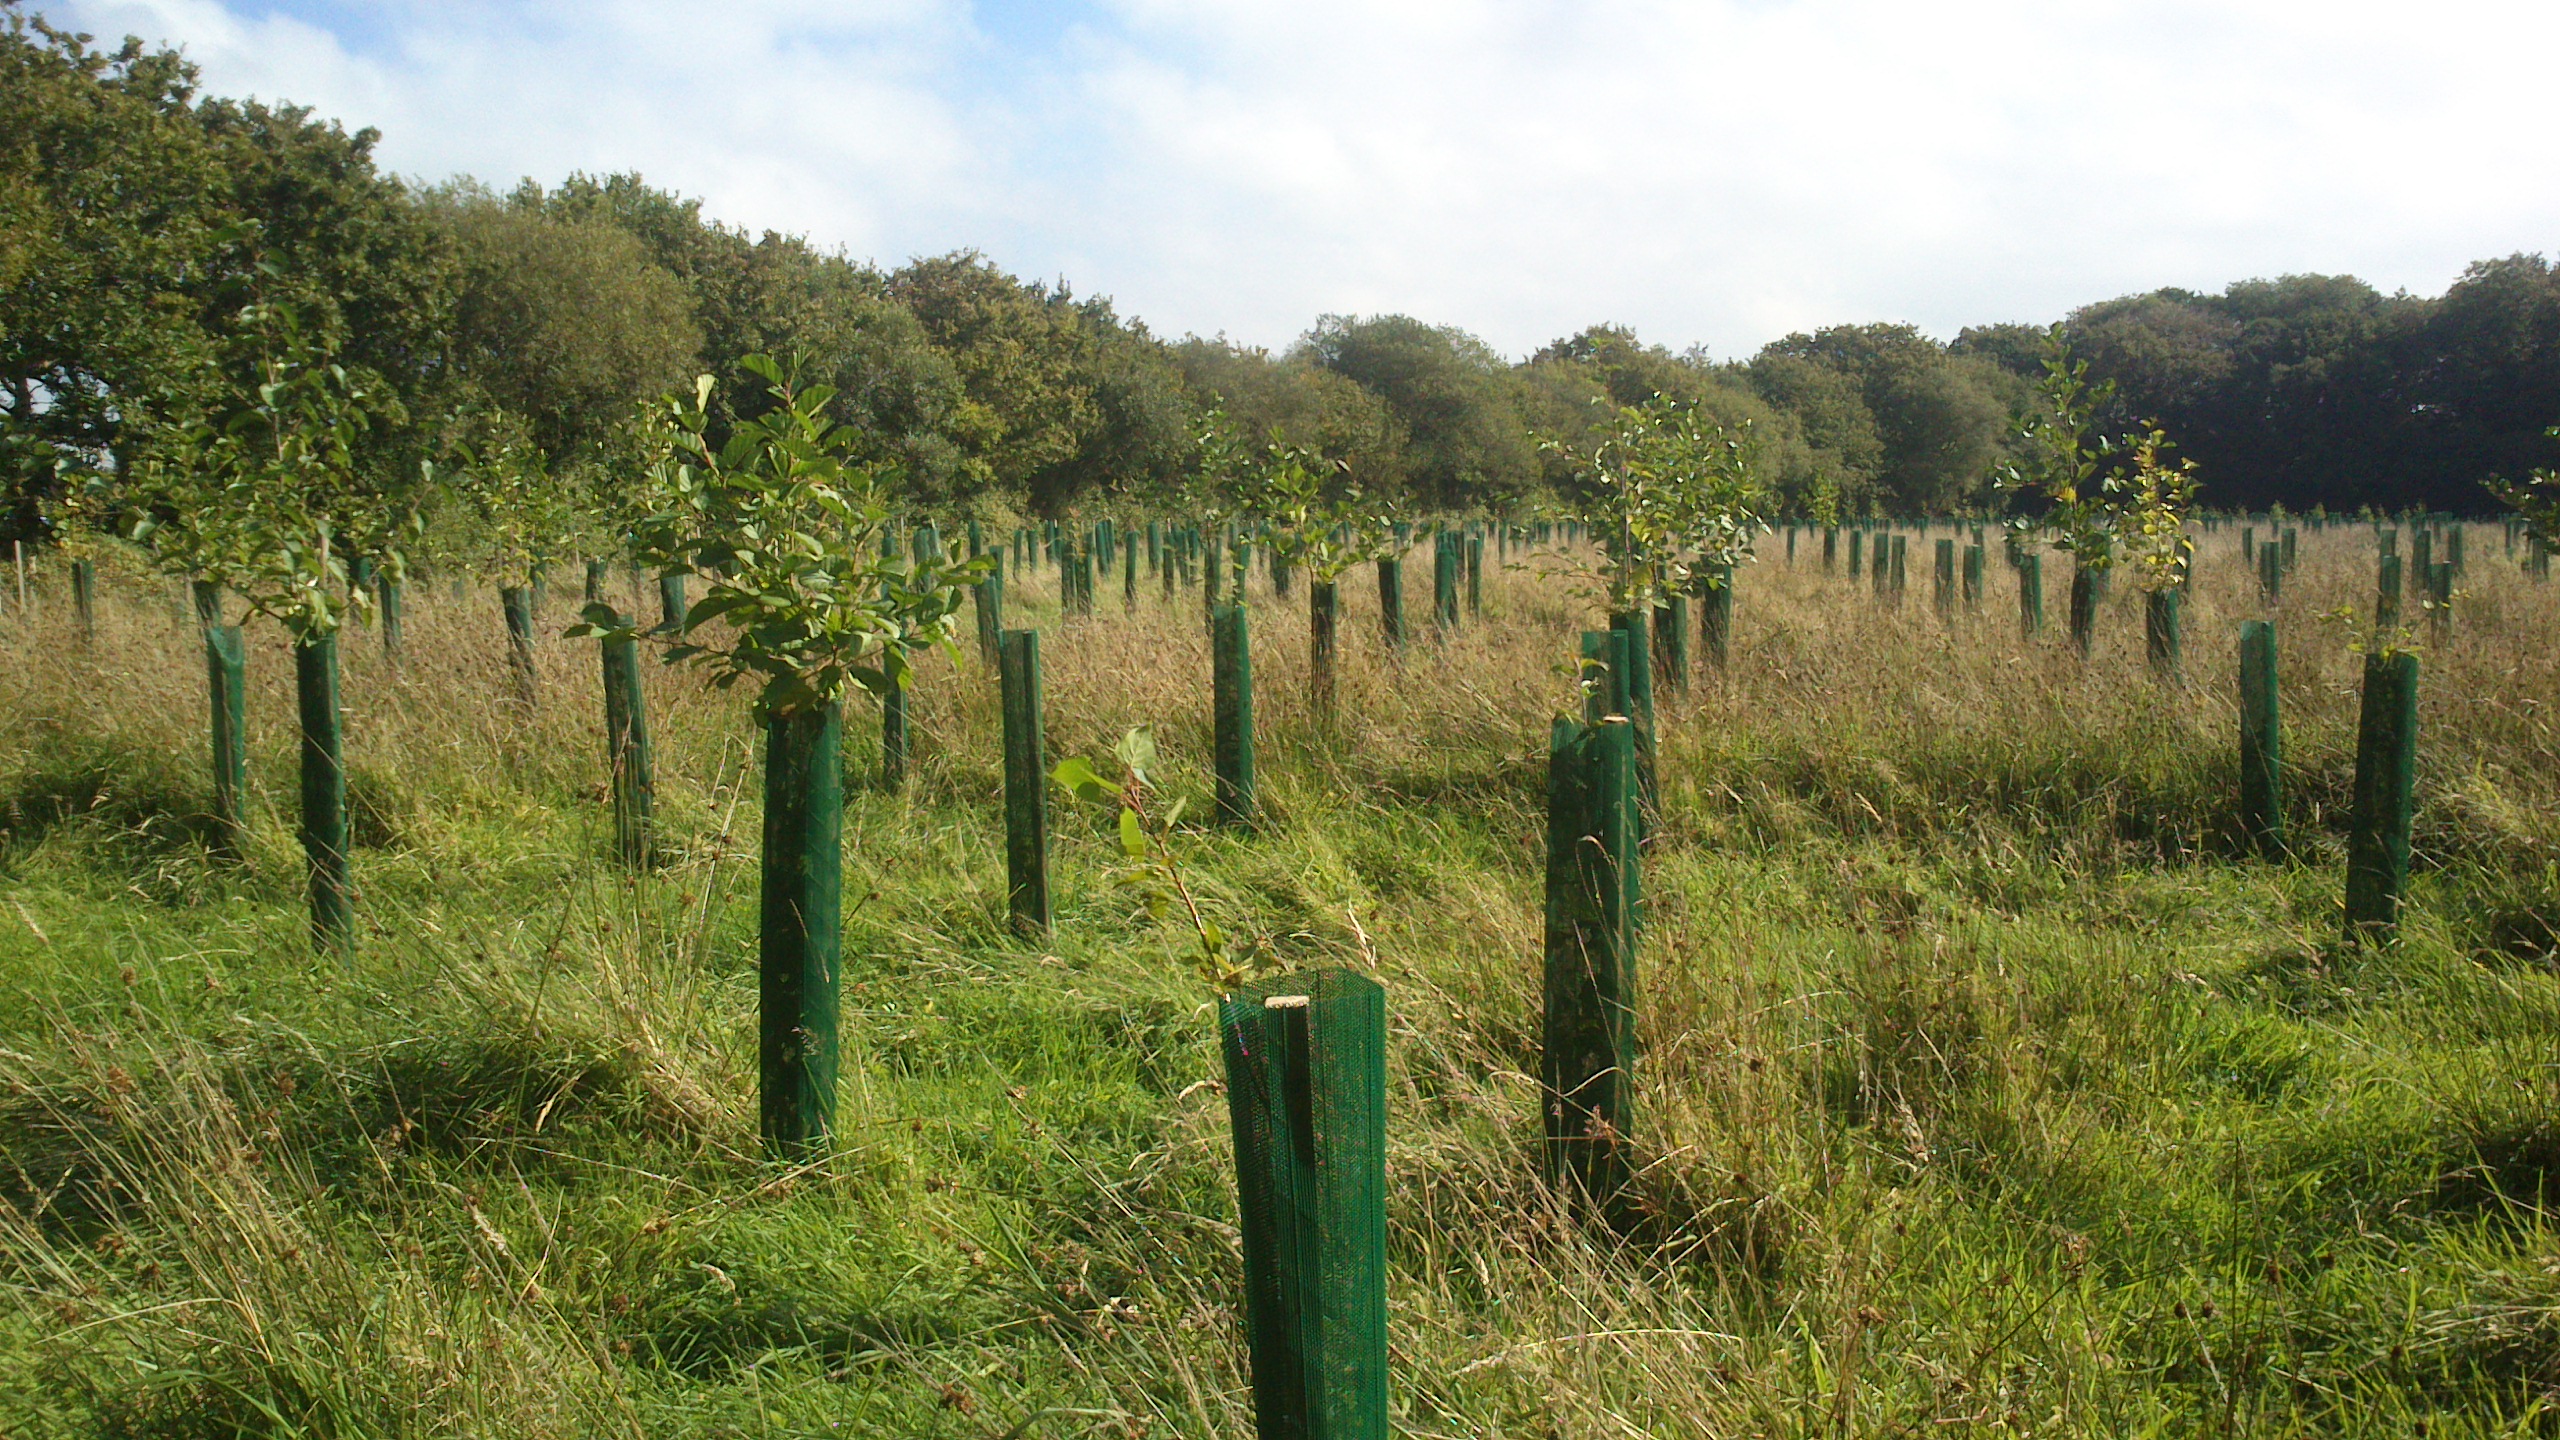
{"points": [[1986, 1087]]}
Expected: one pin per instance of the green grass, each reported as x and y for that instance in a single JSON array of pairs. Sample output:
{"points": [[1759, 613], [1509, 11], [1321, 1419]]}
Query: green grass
{"points": [[1985, 1089]]}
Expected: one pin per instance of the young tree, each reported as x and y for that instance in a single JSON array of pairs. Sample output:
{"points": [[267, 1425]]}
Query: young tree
{"points": [[255, 497], [785, 530]]}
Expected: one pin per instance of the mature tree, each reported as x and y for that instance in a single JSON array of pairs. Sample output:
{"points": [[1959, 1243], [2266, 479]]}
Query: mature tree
{"points": [[1456, 401], [1297, 403], [137, 224], [1939, 418], [567, 323]]}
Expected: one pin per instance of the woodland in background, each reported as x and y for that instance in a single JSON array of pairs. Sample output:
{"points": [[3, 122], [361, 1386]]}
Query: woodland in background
{"points": [[138, 218]]}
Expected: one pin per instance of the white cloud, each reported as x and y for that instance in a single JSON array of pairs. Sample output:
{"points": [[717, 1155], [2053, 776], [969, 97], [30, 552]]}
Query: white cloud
{"points": [[1715, 170]]}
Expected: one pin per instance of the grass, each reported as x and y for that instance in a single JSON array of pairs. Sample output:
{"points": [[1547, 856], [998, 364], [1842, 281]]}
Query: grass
{"points": [[1987, 1088]]}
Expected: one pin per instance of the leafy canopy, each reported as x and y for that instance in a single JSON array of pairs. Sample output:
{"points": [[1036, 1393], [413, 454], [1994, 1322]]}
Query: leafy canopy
{"points": [[785, 528]]}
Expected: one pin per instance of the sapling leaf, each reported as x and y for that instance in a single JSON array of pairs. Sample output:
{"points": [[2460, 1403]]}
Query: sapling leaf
{"points": [[1133, 836]]}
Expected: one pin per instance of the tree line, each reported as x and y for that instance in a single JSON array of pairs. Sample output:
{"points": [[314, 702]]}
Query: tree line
{"points": [[141, 221]]}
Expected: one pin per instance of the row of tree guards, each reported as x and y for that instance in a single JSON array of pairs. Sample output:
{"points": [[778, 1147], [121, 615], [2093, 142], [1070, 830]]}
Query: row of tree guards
{"points": [[1304, 1056]]}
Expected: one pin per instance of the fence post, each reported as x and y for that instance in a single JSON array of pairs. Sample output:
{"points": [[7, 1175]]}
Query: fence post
{"points": [[1592, 901], [84, 600], [1306, 1099], [1231, 704], [2261, 741], [1026, 779], [801, 930], [324, 792], [2385, 796]]}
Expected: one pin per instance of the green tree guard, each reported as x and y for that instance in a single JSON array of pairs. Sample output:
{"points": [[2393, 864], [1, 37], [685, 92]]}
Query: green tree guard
{"points": [[893, 739], [387, 596], [2270, 574], [2386, 599], [977, 539], [1026, 779], [2285, 547], [1155, 546], [2161, 642], [986, 598], [1942, 590], [1671, 643], [2453, 548], [2248, 547], [626, 750], [1169, 572], [84, 599], [538, 586], [208, 598], [2084, 608], [1324, 615], [1830, 547], [1129, 573], [1973, 577], [1639, 663], [1213, 575], [1901, 573], [1391, 601], [1475, 576], [1604, 677], [1715, 616], [2439, 601], [1791, 547], [1857, 538], [2390, 540], [324, 792], [2030, 595], [1880, 566], [1593, 902], [799, 954], [2385, 796], [227, 683], [2422, 552], [517, 602], [1231, 704], [594, 590], [2261, 741], [1307, 1102], [1446, 561], [671, 606]]}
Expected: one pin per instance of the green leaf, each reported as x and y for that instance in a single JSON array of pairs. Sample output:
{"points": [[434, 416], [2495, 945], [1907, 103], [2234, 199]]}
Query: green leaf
{"points": [[1133, 836], [1079, 778], [1137, 749]]}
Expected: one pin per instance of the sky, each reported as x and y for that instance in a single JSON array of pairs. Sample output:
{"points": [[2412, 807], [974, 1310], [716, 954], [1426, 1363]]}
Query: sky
{"points": [[1710, 172]]}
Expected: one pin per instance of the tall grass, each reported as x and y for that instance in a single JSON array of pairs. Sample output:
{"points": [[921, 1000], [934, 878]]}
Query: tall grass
{"points": [[1986, 1088]]}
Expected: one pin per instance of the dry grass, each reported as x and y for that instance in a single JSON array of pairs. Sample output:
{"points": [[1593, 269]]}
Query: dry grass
{"points": [[1985, 1089]]}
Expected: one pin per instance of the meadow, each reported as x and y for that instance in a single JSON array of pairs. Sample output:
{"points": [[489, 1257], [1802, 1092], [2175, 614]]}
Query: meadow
{"points": [[1988, 1085]]}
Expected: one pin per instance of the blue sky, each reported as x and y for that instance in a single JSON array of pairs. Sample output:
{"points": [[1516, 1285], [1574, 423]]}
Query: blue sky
{"points": [[1713, 172]]}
